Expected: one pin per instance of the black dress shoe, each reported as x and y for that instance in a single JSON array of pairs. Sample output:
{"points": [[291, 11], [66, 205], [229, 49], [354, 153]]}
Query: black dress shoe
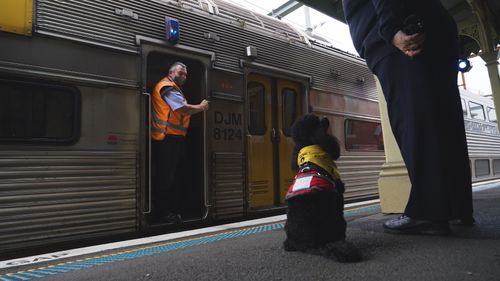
{"points": [[464, 222], [407, 225]]}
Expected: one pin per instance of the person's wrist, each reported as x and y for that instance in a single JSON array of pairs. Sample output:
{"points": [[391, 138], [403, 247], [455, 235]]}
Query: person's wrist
{"points": [[396, 39], [389, 35]]}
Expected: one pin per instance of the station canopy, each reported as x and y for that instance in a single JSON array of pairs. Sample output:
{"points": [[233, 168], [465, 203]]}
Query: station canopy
{"points": [[461, 10]]}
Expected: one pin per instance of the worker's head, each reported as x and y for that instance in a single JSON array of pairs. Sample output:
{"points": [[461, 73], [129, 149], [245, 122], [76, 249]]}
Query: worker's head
{"points": [[178, 73]]}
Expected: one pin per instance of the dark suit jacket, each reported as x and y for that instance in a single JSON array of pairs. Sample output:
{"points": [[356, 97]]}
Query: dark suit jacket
{"points": [[373, 24]]}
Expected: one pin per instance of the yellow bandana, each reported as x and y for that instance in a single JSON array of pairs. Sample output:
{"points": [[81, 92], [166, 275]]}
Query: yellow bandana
{"points": [[316, 155]]}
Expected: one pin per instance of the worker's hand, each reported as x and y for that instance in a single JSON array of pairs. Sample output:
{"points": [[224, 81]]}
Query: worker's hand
{"points": [[410, 45], [204, 105]]}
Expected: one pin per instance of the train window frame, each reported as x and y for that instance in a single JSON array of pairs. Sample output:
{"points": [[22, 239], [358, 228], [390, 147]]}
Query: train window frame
{"points": [[491, 109], [379, 146], [496, 167], [478, 105], [476, 162], [287, 128], [47, 88], [262, 129]]}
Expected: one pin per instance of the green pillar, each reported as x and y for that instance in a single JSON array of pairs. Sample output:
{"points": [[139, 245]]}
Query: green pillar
{"points": [[491, 60]]}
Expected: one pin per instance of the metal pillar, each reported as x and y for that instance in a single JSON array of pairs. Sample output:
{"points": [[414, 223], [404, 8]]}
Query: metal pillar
{"points": [[285, 9], [491, 60]]}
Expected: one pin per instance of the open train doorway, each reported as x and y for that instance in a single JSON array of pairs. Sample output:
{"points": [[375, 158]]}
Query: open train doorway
{"points": [[188, 190]]}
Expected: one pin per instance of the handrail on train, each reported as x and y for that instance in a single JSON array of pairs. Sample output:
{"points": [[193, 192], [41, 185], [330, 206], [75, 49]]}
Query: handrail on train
{"points": [[148, 211]]}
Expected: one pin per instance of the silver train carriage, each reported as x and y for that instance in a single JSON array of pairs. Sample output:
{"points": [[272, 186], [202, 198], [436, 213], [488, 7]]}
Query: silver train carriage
{"points": [[483, 138], [75, 78]]}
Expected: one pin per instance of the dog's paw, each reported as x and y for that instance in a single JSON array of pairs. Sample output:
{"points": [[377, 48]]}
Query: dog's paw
{"points": [[288, 246]]}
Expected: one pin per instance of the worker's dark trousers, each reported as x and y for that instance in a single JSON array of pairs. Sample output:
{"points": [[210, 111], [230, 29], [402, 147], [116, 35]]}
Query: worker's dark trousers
{"points": [[166, 156], [426, 118]]}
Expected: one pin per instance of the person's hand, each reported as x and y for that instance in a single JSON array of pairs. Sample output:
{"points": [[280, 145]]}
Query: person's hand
{"points": [[204, 105], [410, 45]]}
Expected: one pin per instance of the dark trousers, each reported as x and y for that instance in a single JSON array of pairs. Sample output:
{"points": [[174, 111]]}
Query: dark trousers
{"points": [[166, 156], [426, 118]]}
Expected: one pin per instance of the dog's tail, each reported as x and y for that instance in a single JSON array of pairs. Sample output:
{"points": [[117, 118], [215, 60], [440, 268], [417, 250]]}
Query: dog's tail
{"points": [[341, 251]]}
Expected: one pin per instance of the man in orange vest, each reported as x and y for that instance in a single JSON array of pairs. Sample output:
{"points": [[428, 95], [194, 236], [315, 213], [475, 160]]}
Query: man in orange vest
{"points": [[169, 124]]}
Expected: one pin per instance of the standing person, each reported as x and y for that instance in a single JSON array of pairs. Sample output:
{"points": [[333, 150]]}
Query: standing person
{"points": [[169, 124], [412, 47]]}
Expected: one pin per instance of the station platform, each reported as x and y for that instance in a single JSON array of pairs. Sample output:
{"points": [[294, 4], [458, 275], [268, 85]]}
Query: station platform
{"points": [[253, 251]]}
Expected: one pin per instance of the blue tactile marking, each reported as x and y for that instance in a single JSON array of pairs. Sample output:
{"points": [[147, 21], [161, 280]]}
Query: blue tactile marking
{"points": [[7, 279], [151, 250]]}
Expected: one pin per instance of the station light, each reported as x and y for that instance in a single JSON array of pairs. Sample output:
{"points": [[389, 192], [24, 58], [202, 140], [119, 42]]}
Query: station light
{"points": [[172, 30], [464, 65]]}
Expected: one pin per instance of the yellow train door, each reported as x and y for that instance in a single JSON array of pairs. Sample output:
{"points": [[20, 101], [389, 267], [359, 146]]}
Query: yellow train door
{"points": [[273, 105], [289, 108]]}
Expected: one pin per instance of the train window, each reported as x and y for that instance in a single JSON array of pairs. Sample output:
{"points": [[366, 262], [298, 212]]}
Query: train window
{"points": [[36, 112], [476, 111], [289, 110], [482, 167], [492, 116], [464, 107], [256, 97], [496, 166], [363, 135]]}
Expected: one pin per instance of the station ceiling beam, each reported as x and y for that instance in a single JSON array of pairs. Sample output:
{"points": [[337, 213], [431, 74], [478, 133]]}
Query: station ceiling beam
{"points": [[285, 9], [459, 9], [332, 8]]}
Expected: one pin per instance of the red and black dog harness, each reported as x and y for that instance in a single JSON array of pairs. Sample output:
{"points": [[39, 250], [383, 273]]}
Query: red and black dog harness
{"points": [[308, 181]]}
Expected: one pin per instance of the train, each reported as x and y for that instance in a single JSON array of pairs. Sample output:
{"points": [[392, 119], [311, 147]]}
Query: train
{"points": [[483, 138], [76, 101], [76, 79]]}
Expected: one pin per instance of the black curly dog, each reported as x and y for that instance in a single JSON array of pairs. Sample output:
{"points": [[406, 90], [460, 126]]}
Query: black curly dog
{"points": [[315, 215]]}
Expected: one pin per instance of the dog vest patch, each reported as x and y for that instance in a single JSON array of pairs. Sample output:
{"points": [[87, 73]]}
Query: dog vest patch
{"points": [[302, 183], [309, 182]]}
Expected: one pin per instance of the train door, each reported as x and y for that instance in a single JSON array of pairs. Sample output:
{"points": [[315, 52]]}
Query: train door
{"points": [[273, 105], [189, 188], [289, 108]]}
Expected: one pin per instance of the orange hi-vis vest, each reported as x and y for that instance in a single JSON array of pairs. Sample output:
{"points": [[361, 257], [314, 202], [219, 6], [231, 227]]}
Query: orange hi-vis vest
{"points": [[165, 121]]}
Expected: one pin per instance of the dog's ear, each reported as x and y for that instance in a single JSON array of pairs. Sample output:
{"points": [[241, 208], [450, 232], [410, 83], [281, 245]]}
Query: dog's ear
{"points": [[329, 142], [325, 123]]}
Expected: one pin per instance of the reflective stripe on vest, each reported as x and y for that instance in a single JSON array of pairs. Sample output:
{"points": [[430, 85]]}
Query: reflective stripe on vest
{"points": [[165, 121]]}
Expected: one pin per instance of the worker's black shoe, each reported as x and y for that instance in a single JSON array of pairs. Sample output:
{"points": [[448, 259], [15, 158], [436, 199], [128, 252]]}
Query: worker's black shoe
{"points": [[172, 218], [407, 225]]}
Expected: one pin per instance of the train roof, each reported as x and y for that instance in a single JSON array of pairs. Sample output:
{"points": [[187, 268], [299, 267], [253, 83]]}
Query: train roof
{"points": [[245, 17], [476, 97]]}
